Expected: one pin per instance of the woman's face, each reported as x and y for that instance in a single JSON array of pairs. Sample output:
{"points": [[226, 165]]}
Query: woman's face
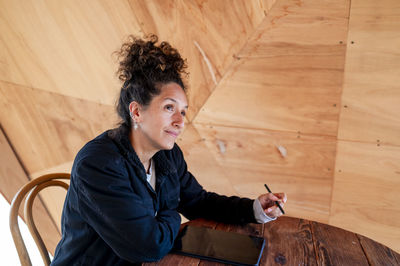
{"points": [[161, 122]]}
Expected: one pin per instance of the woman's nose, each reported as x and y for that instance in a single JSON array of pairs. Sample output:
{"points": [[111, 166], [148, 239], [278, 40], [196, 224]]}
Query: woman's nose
{"points": [[179, 120]]}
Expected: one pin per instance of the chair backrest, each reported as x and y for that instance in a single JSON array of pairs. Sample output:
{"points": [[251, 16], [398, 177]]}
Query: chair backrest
{"points": [[32, 189]]}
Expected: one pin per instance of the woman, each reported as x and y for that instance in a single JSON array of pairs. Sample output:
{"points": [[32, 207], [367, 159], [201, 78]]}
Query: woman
{"points": [[129, 184]]}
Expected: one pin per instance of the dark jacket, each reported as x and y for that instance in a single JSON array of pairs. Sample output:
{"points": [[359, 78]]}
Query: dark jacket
{"points": [[112, 216]]}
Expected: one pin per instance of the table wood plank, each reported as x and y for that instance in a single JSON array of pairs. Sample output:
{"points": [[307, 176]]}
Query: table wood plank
{"points": [[288, 242], [378, 254], [335, 246]]}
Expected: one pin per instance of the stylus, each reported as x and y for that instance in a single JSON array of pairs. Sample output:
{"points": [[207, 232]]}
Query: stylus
{"points": [[277, 203]]}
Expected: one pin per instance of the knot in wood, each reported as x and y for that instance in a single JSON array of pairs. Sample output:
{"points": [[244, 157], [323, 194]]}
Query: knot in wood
{"points": [[280, 259]]}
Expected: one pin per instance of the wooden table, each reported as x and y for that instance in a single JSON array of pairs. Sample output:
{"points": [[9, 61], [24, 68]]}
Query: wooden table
{"points": [[293, 241]]}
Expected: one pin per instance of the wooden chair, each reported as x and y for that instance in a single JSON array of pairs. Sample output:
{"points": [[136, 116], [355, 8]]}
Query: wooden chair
{"points": [[32, 189]]}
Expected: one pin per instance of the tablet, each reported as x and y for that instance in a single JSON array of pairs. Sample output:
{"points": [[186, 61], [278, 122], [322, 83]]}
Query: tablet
{"points": [[226, 247]]}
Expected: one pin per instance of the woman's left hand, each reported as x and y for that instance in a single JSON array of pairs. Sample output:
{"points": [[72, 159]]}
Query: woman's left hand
{"points": [[268, 203]]}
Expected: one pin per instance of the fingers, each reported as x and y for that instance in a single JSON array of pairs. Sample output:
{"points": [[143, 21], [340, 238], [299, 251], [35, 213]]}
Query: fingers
{"points": [[282, 197], [275, 208], [264, 198], [270, 207], [268, 200], [272, 197], [274, 211]]}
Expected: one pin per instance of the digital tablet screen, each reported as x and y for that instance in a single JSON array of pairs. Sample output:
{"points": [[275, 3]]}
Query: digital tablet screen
{"points": [[225, 247]]}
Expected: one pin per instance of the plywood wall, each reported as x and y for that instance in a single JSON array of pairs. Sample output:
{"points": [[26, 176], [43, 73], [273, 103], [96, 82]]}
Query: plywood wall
{"points": [[367, 172], [316, 78]]}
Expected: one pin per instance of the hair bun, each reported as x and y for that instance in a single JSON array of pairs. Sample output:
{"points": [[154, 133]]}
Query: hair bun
{"points": [[145, 56]]}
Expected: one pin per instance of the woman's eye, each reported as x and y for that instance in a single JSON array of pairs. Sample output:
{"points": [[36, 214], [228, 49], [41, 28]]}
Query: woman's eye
{"points": [[169, 108], [183, 113]]}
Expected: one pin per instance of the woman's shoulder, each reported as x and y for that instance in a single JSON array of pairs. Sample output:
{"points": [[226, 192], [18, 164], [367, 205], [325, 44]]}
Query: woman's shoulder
{"points": [[102, 147]]}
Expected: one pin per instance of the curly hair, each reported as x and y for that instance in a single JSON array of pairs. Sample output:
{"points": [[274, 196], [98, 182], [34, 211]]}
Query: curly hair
{"points": [[144, 67]]}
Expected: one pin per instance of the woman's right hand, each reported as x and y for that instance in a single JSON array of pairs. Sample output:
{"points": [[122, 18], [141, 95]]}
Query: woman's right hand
{"points": [[268, 203]]}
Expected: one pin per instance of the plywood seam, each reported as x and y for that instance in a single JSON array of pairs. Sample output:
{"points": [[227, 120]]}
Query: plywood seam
{"points": [[340, 111], [283, 55], [333, 180], [253, 34], [348, 16], [274, 4], [21, 163], [264, 129], [28, 179], [18, 67], [255, 31], [378, 143], [51, 92], [213, 88], [229, 68], [306, 177]]}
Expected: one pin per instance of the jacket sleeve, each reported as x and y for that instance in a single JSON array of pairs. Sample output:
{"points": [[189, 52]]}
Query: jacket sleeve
{"points": [[198, 203], [109, 204]]}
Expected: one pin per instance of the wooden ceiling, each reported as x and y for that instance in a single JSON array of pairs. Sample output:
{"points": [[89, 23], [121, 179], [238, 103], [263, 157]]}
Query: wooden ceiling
{"points": [[317, 79]]}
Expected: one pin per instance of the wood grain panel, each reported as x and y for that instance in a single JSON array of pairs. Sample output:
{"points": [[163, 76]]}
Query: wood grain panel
{"points": [[48, 129], [306, 155], [287, 93], [365, 195], [202, 164], [64, 46], [207, 33], [296, 28], [371, 95], [12, 178], [251, 158]]}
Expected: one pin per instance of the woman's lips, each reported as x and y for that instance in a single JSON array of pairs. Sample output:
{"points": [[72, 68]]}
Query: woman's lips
{"points": [[172, 133]]}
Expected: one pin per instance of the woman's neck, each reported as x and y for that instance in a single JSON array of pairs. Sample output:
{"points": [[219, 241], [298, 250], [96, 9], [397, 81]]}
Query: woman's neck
{"points": [[139, 145]]}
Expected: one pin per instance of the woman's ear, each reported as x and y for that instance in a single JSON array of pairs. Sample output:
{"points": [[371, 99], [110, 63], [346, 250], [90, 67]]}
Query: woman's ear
{"points": [[134, 111]]}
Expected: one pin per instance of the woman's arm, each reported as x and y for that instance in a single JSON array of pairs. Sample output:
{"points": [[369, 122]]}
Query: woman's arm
{"points": [[118, 214]]}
